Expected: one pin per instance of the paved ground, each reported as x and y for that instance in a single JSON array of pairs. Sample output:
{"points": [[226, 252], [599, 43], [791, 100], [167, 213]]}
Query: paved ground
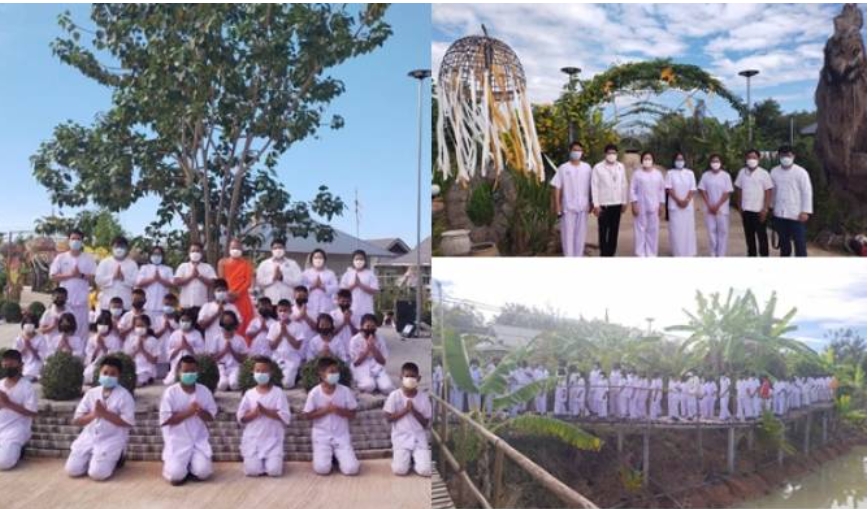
{"points": [[736, 247], [42, 483]]}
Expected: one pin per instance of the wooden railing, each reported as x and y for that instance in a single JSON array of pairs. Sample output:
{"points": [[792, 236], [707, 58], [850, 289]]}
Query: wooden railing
{"points": [[502, 450]]}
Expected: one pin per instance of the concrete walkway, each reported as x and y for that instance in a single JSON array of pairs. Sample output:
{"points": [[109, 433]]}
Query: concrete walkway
{"points": [[42, 483]]}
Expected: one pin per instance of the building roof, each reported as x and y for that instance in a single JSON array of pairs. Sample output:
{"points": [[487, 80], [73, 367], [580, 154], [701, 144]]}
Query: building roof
{"points": [[393, 244], [342, 244], [809, 130], [410, 258]]}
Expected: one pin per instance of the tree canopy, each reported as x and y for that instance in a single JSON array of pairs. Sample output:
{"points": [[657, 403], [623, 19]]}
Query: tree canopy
{"points": [[205, 100]]}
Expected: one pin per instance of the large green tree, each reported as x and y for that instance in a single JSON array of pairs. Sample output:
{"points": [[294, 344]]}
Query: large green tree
{"points": [[99, 227], [205, 100]]}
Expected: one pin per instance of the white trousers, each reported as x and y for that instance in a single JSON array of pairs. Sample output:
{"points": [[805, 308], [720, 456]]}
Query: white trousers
{"points": [[176, 469], [724, 408], [10, 453], [255, 466], [323, 452], [574, 231], [98, 464], [367, 381], [289, 368], [419, 457], [646, 233], [228, 377], [718, 233]]}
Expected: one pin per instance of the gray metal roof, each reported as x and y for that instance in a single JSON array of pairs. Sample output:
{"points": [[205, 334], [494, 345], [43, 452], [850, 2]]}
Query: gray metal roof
{"points": [[342, 243], [410, 258], [390, 243]]}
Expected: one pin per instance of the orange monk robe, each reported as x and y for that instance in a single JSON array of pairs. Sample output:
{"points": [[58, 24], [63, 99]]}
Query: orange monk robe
{"points": [[238, 273]]}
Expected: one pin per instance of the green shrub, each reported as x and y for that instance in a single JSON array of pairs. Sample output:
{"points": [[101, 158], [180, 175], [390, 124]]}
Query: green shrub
{"points": [[36, 309], [62, 376], [480, 207], [310, 378], [245, 375], [2, 371], [12, 312], [128, 374], [209, 375]]}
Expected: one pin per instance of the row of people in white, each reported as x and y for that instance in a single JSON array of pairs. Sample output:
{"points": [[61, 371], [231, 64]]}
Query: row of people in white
{"points": [[276, 277], [107, 413], [787, 190]]}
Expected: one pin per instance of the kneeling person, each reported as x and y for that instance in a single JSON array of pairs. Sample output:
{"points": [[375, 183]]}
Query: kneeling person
{"points": [[18, 407], [368, 355], [409, 412], [107, 413], [330, 406], [185, 408], [264, 413]]}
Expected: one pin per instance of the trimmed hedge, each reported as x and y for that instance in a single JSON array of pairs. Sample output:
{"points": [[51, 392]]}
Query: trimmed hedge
{"points": [[36, 309], [245, 375], [128, 375], [62, 376], [310, 377], [12, 312]]}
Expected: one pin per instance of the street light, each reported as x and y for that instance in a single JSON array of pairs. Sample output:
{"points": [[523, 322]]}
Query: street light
{"points": [[420, 75], [749, 73], [572, 72]]}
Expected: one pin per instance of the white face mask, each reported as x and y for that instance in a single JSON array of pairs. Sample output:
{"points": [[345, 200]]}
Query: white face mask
{"points": [[235, 253], [156, 259], [752, 163], [29, 328], [359, 264], [576, 155], [168, 310], [102, 328], [715, 166], [186, 325], [195, 256], [679, 164], [410, 382], [278, 253], [611, 158], [141, 331], [787, 161], [119, 252], [116, 312], [75, 245], [318, 262], [647, 163], [220, 296]]}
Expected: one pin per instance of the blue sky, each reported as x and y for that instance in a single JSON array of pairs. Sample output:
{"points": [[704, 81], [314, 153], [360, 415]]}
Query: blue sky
{"points": [[784, 41], [375, 151], [827, 295]]}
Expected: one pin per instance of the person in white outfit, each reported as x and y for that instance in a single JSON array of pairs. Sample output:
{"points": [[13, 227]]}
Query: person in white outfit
{"points": [[793, 204], [330, 406], [578, 393], [287, 343], [681, 187], [409, 413], [107, 413], [347, 322], [571, 188], [324, 341], [64, 338], [257, 329], [194, 279], [361, 280], [33, 347], [156, 279], [264, 414], [185, 409], [753, 191], [656, 387], [541, 400], [18, 407], [210, 313], [276, 277], [116, 275], [617, 399], [561, 393], [321, 283], [715, 187], [144, 349], [724, 398], [610, 195], [229, 350], [368, 352], [474, 399], [647, 198], [74, 271], [184, 341]]}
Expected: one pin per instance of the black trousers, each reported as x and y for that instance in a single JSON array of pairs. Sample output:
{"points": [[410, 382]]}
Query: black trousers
{"points": [[608, 223], [755, 233]]}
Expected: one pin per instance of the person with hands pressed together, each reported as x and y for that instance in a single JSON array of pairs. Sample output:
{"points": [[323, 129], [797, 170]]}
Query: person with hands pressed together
{"points": [[409, 413], [103, 342], [330, 406], [287, 342], [792, 200], [194, 278], [257, 330], [324, 342], [186, 340], [368, 355], [116, 275], [210, 312], [144, 349], [321, 283], [33, 347], [277, 276], [715, 188], [65, 339], [18, 407], [156, 279], [229, 351], [185, 409], [74, 271], [264, 413], [361, 280], [571, 189], [753, 192], [347, 322]]}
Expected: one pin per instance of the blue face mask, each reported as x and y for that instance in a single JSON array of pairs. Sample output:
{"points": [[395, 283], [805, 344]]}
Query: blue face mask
{"points": [[108, 382], [333, 378], [261, 378], [189, 378]]}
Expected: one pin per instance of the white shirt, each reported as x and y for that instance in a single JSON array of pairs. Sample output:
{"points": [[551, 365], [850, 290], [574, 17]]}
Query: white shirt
{"points": [[212, 309], [194, 339], [753, 185], [259, 345], [284, 350], [75, 343], [109, 287], [14, 427], [194, 293], [100, 432], [407, 432], [278, 290], [357, 347], [317, 345], [792, 193], [112, 344], [38, 343], [218, 343], [149, 344], [191, 434], [154, 292], [263, 436], [715, 184], [331, 427], [321, 299], [575, 182], [77, 288], [648, 190], [609, 184], [681, 182], [363, 302]]}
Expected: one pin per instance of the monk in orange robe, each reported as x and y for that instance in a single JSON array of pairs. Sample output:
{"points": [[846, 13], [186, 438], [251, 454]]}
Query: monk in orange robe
{"points": [[238, 273]]}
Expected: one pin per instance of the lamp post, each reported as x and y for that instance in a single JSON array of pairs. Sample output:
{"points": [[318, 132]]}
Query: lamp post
{"points": [[749, 73], [572, 72], [420, 75]]}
